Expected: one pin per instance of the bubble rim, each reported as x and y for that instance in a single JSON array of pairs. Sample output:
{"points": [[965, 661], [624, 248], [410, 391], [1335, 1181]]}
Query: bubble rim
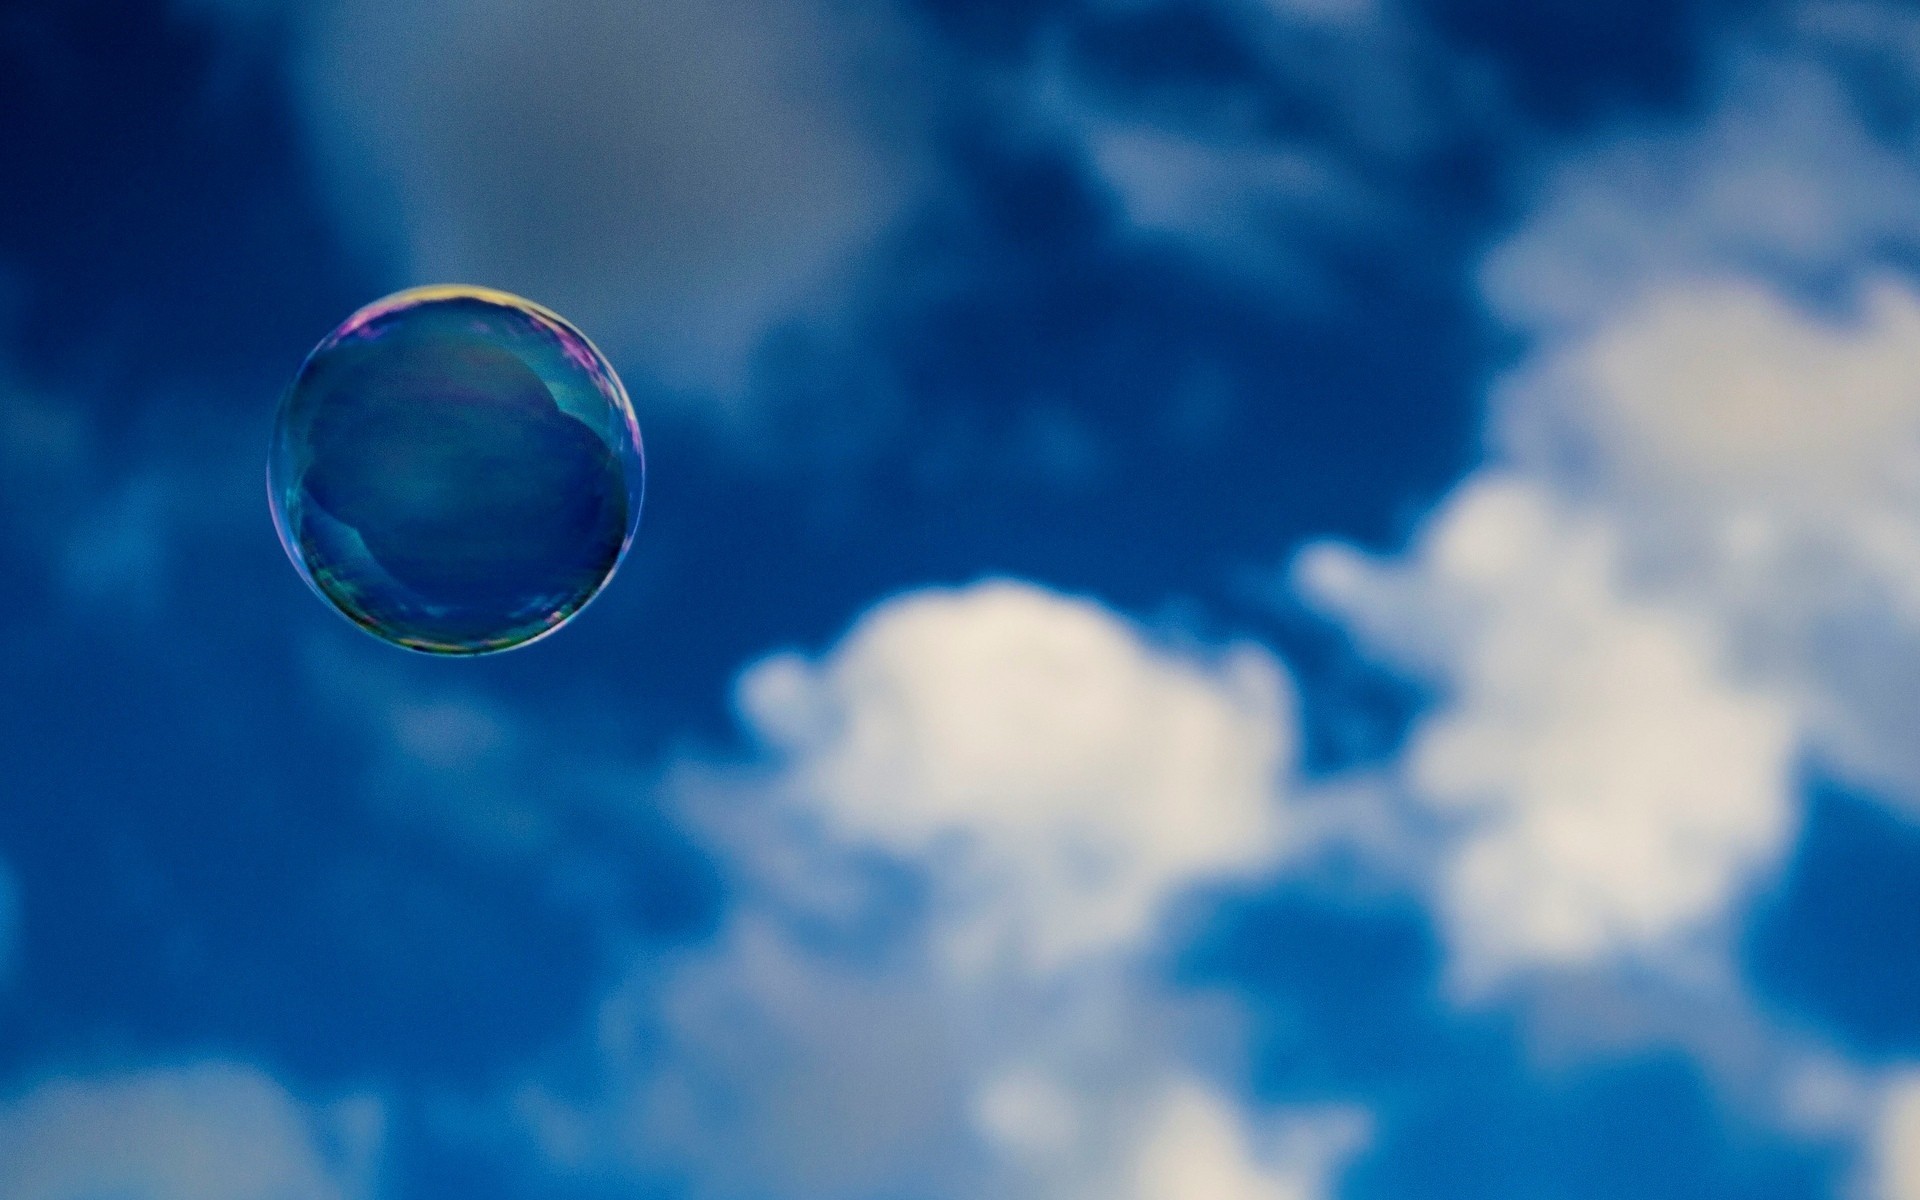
{"points": [[596, 363]]}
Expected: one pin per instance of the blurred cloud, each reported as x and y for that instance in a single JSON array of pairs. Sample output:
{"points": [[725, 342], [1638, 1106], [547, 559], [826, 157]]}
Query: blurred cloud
{"points": [[1196, 1148], [108, 537], [1765, 462], [445, 759], [1267, 193], [1254, 209], [680, 178], [1785, 179], [1686, 583], [953, 856], [700, 184], [1897, 1143], [1693, 559], [46, 452], [118, 555], [207, 1132]]}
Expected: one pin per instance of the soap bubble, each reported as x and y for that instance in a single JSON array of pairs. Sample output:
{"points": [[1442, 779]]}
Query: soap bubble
{"points": [[457, 470]]}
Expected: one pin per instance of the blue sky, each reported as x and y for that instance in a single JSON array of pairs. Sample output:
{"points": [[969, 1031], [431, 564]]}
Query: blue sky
{"points": [[1246, 599]]}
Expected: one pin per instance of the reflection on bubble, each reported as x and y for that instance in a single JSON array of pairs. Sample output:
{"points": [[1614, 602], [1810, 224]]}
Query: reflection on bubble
{"points": [[457, 470]]}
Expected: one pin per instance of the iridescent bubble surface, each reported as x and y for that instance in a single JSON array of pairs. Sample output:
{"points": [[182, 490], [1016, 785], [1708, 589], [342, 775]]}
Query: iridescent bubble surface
{"points": [[457, 470]]}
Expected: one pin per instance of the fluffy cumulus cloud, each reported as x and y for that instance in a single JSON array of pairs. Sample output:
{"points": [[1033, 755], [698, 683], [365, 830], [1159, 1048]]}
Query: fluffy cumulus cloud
{"points": [[1767, 462], [1609, 788], [1686, 581], [209, 1132], [679, 177], [1689, 572], [956, 844], [1064, 774]]}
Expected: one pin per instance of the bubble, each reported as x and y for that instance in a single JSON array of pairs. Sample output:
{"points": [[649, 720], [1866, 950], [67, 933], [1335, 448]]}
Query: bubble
{"points": [[457, 470]]}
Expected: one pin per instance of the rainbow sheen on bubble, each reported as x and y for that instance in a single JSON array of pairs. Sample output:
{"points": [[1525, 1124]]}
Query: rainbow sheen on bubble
{"points": [[456, 470]]}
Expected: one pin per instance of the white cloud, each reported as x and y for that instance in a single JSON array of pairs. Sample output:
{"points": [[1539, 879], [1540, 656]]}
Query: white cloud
{"points": [[1784, 177], [1699, 558], [1694, 556], [685, 178], [1723, 392], [678, 177], [1765, 463], [1606, 787], [1171, 1138], [777, 1070], [1196, 1148], [208, 1132], [768, 1067], [1062, 773], [1896, 1143], [1049, 777], [1689, 571]]}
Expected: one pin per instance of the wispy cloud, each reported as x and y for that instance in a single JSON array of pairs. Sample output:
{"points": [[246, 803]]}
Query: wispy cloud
{"points": [[680, 178], [206, 1132]]}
